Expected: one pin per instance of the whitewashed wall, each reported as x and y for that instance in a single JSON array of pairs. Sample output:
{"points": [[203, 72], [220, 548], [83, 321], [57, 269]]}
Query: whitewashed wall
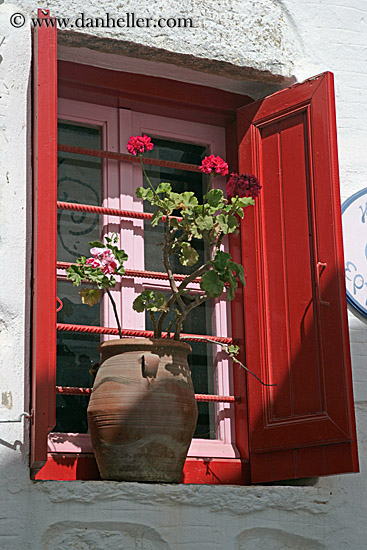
{"points": [[250, 46]]}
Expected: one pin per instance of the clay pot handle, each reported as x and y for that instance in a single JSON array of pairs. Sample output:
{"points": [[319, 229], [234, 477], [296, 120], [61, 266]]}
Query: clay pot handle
{"points": [[149, 365]]}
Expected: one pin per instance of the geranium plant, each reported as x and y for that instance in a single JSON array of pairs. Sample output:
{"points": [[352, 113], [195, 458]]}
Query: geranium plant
{"points": [[100, 269], [185, 220]]}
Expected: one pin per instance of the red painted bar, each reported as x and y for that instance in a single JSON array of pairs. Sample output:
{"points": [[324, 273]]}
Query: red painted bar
{"points": [[108, 211], [101, 210], [138, 273], [67, 390], [124, 157], [63, 327]]}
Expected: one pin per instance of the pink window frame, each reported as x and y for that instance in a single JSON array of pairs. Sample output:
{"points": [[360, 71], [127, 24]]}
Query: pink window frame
{"points": [[120, 181]]}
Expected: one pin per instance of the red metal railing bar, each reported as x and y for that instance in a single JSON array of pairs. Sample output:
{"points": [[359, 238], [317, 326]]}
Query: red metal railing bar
{"points": [[137, 273], [102, 210], [128, 158], [67, 390], [93, 209], [63, 327]]}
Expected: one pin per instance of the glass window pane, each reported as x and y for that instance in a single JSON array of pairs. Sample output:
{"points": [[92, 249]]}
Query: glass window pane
{"points": [[80, 181], [77, 353], [181, 181]]}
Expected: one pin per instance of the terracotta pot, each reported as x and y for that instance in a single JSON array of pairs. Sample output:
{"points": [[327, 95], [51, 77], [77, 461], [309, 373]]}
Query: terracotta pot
{"points": [[142, 412]]}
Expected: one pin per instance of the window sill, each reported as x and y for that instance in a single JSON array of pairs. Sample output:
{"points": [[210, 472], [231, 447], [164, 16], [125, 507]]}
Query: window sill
{"points": [[70, 457], [207, 471], [72, 443]]}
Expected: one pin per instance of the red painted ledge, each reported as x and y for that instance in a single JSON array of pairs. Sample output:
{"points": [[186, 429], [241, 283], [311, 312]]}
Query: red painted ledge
{"points": [[206, 471]]}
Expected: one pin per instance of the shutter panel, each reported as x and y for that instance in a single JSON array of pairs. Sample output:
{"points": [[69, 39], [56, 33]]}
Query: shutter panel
{"points": [[44, 240], [295, 299]]}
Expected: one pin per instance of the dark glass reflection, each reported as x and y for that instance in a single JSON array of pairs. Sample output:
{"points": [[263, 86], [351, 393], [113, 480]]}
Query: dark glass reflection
{"points": [[80, 181], [181, 181]]}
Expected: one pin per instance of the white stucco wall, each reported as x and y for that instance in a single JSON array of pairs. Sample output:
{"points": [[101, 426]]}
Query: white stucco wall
{"points": [[245, 41]]}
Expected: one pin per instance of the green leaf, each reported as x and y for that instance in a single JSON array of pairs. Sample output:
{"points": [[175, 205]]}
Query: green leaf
{"points": [[215, 198], [156, 218], [171, 200], [114, 239], [96, 244], [187, 200], [138, 304], [188, 255], [119, 254], [74, 274], [145, 194], [174, 223], [238, 269], [161, 300], [231, 289], [221, 260], [90, 296], [204, 223], [212, 284], [164, 188], [148, 294], [242, 202], [232, 350], [109, 282], [151, 301], [227, 222]]}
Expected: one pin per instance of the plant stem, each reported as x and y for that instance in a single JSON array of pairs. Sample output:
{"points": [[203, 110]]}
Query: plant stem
{"points": [[207, 190], [197, 302], [164, 314], [169, 328], [209, 184], [168, 268], [115, 311], [147, 178], [225, 349], [154, 323]]}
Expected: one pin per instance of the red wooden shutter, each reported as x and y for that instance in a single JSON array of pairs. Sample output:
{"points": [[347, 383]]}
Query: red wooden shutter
{"points": [[44, 239], [295, 300]]}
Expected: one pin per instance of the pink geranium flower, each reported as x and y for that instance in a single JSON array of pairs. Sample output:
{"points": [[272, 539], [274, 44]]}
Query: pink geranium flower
{"points": [[102, 258], [109, 267], [244, 185], [97, 252], [93, 262], [139, 144], [216, 164]]}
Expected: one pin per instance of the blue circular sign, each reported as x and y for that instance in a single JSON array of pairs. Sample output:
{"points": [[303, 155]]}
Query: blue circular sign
{"points": [[354, 211]]}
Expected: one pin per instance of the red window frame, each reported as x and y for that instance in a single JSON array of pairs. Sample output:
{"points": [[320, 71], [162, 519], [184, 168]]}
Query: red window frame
{"points": [[269, 442]]}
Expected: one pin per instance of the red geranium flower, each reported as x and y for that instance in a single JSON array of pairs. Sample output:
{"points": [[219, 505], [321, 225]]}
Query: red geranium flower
{"points": [[244, 185], [139, 144], [214, 163]]}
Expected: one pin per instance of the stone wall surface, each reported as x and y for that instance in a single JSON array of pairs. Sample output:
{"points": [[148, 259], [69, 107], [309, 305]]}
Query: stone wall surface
{"points": [[239, 45]]}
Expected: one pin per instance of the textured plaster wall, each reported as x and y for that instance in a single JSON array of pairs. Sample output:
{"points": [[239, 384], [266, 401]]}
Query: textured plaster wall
{"points": [[239, 45]]}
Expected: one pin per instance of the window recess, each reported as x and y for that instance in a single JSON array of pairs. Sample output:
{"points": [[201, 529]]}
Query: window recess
{"points": [[290, 321], [80, 175]]}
